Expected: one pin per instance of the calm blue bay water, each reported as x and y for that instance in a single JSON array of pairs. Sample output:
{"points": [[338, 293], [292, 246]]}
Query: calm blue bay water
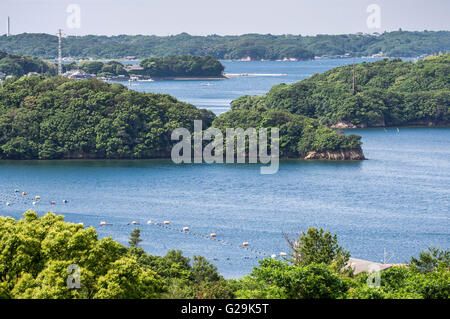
{"points": [[217, 95], [399, 199]]}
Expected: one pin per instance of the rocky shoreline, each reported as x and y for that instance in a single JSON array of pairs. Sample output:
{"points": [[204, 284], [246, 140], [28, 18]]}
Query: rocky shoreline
{"points": [[341, 155], [347, 125]]}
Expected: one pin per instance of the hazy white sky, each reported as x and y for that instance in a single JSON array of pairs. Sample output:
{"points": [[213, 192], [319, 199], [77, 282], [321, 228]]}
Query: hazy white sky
{"points": [[202, 17]]}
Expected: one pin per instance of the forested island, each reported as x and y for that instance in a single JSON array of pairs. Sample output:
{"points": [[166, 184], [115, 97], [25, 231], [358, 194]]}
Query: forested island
{"points": [[61, 118], [172, 67], [253, 46], [382, 93], [182, 66], [37, 252]]}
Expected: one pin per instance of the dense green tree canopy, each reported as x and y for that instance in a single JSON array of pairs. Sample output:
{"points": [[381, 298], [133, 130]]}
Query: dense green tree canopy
{"points": [[18, 65], [387, 92], [299, 135], [256, 46], [46, 257], [54, 118], [50, 118], [183, 65]]}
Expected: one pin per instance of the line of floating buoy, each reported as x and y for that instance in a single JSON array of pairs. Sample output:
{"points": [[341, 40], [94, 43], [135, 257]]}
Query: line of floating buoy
{"points": [[211, 236], [104, 223]]}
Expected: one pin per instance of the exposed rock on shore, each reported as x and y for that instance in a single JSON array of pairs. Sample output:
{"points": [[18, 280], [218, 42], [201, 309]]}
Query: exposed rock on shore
{"points": [[349, 154], [343, 124]]}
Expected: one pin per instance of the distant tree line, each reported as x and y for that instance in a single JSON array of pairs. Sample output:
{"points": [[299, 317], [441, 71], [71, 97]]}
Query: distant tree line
{"points": [[256, 46]]}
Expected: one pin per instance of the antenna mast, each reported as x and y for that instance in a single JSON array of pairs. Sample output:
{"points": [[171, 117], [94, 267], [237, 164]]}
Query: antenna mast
{"points": [[8, 27], [59, 51]]}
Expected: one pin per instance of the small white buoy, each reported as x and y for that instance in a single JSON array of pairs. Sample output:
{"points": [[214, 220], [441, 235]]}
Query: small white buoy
{"points": [[212, 235], [166, 222], [33, 203], [7, 204], [65, 201], [149, 222], [283, 254], [273, 256], [102, 223], [245, 243], [185, 228]]}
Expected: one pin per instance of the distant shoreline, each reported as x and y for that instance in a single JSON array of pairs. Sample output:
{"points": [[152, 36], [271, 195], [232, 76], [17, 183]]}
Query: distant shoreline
{"points": [[190, 78]]}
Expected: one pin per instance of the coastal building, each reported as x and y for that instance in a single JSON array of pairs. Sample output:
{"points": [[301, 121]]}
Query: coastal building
{"points": [[76, 74], [360, 265], [247, 58], [133, 67]]}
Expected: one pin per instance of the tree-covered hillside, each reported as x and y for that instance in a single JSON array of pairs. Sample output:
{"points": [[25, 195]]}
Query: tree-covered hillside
{"points": [[49, 118], [18, 65], [55, 118], [182, 65], [255, 46], [386, 92], [300, 136]]}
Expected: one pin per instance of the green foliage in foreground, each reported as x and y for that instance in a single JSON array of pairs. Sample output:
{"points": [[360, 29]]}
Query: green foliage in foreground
{"points": [[387, 92], [35, 254], [299, 135], [318, 247], [182, 65], [55, 118]]}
